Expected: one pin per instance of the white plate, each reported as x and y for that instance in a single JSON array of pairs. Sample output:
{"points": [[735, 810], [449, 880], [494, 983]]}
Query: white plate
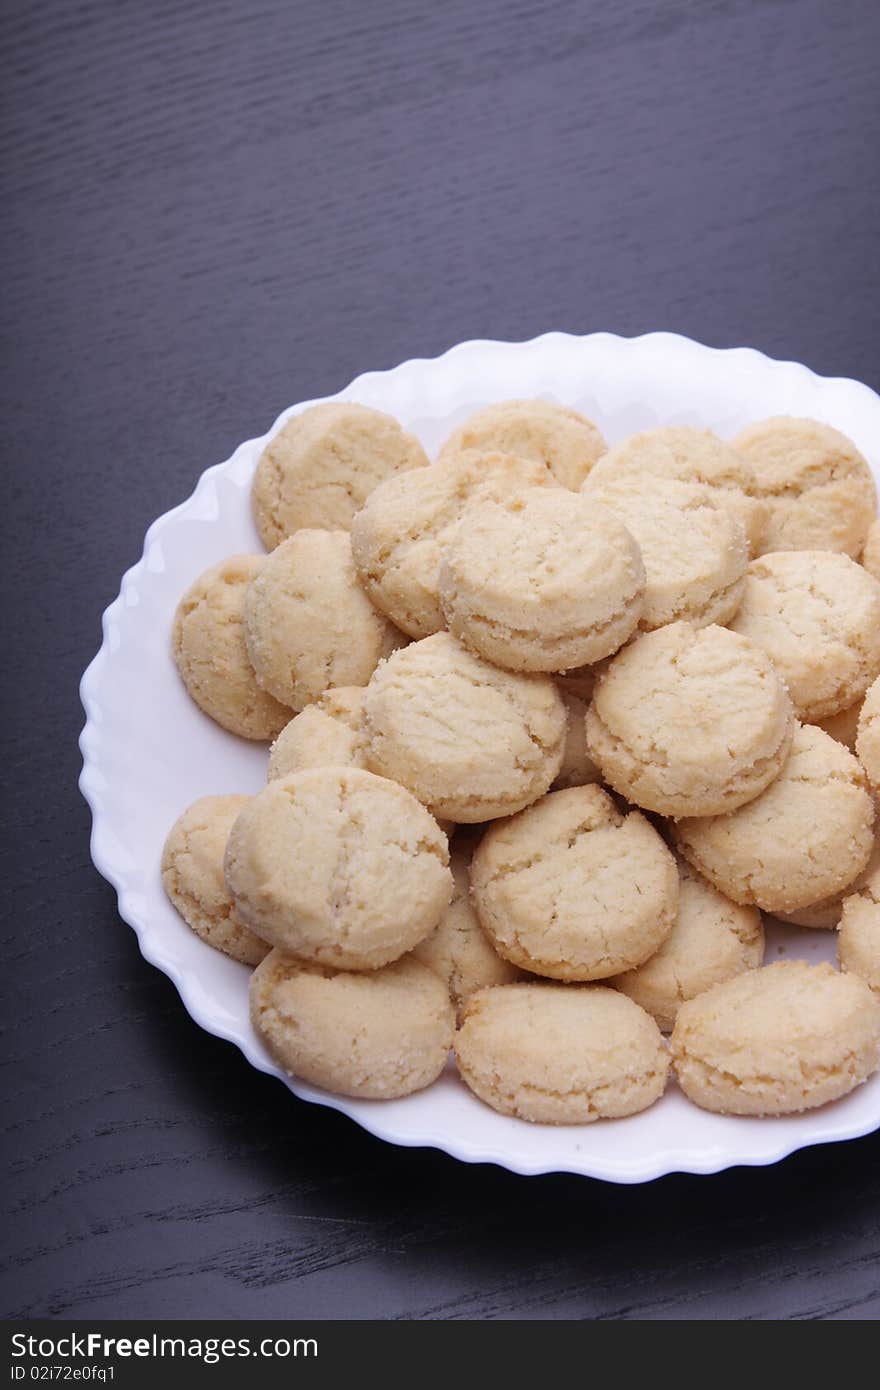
{"points": [[148, 751]]}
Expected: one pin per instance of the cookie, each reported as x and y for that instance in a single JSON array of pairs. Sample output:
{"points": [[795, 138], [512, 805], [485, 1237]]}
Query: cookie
{"points": [[322, 465], [816, 614], [472, 742], [777, 1041], [562, 439], [578, 768], [871, 552], [692, 456], [824, 915], [208, 645], [695, 552], [458, 950], [541, 581], [308, 623], [858, 940], [819, 491], [712, 940], [338, 866], [574, 888], [376, 1036], [868, 735], [560, 1054], [689, 721], [192, 876], [803, 839], [399, 536], [329, 733]]}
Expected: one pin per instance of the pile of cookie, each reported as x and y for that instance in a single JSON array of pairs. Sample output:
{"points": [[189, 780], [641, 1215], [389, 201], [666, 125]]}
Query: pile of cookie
{"points": [[552, 725]]}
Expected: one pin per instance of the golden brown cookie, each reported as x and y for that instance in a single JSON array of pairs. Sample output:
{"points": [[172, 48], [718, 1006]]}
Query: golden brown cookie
{"points": [[472, 742], [308, 623], [338, 866], [562, 439], [688, 721], [560, 1054], [323, 464], [208, 644], [376, 1035], [541, 581], [329, 733], [818, 488], [777, 1041], [573, 888], [192, 876]]}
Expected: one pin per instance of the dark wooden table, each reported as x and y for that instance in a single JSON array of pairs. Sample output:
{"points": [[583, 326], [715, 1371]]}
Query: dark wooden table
{"points": [[214, 208]]}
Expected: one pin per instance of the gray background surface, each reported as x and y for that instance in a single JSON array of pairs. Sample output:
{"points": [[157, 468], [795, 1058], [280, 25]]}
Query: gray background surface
{"points": [[213, 209]]}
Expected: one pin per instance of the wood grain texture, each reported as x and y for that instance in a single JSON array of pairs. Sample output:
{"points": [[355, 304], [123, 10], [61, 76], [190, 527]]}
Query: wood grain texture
{"points": [[212, 209]]}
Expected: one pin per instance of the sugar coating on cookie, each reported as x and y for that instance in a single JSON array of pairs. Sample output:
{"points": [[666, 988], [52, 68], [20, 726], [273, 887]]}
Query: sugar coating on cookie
{"points": [[858, 940], [712, 940], [574, 888], [328, 733], [695, 552], [868, 735], [816, 614], [323, 464], [565, 441], [471, 741], [691, 456], [399, 536], [192, 876], [338, 866], [541, 581], [689, 721], [560, 1054], [804, 839], [458, 950], [308, 623], [578, 768], [208, 644], [871, 551], [777, 1041], [818, 488], [375, 1035]]}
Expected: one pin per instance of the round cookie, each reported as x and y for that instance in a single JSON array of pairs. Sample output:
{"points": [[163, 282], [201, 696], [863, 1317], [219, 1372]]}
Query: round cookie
{"points": [[777, 1041], [375, 1036], [689, 721], [578, 768], [818, 488], [824, 915], [329, 733], [868, 735], [338, 866], [871, 552], [458, 950], [802, 840], [472, 742], [541, 581], [192, 876], [712, 940], [816, 614], [692, 456], [208, 645], [858, 940], [560, 1054], [323, 464], [308, 623], [575, 889], [695, 552], [399, 537], [562, 439]]}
